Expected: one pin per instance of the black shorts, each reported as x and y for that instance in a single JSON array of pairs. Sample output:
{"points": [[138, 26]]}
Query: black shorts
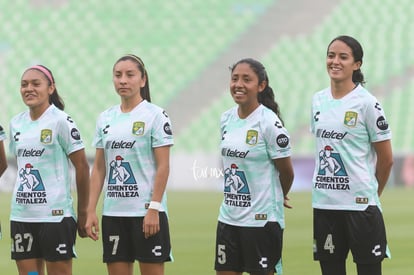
{"points": [[338, 231], [248, 249], [124, 241], [47, 240]]}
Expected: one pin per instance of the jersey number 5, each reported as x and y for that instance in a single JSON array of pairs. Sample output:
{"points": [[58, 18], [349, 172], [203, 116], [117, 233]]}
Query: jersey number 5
{"points": [[221, 254]]}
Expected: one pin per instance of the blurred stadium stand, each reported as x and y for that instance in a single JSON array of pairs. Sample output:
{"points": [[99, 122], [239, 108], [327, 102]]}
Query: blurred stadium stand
{"points": [[188, 46]]}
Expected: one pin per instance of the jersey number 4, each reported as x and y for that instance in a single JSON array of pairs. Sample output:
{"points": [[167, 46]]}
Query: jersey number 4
{"points": [[329, 245]]}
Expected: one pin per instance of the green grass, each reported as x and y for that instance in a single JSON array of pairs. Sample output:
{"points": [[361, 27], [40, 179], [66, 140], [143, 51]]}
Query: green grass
{"points": [[193, 217]]}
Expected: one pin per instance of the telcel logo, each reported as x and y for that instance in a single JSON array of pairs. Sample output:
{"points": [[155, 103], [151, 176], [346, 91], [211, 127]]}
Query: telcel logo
{"points": [[322, 133], [30, 153], [233, 153], [120, 144]]}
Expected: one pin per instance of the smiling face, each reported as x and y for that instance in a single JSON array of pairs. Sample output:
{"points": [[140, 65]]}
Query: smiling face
{"points": [[340, 62], [35, 90], [128, 80], [245, 86]]}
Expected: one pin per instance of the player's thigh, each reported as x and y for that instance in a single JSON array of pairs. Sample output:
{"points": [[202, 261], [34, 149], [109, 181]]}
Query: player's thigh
{"points": [[125, 268], [116, 239], [228, 273], [151, 268], [59, 267], [329, 234], [369, 269], [28, 265], [26, 242], [261, 248], [228, 256], [58, 240], [367, 235], [155, 249], [333, 267]]}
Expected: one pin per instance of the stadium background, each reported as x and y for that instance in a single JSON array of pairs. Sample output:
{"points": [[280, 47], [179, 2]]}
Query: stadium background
{"points": [[188, 46]]}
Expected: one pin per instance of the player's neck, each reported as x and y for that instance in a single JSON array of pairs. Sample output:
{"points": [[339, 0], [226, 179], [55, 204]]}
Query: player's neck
{"points": [[341, 89], [245, 110], [128, 104], [37, 112]]}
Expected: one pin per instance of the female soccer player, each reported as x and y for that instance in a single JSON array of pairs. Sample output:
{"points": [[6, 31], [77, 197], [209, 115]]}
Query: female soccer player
{"points": [[256, 152], [44, 139], [3, 160], [353, 163], [132, 141]]}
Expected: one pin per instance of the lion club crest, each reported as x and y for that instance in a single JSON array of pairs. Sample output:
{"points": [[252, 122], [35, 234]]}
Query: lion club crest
{"points": [[46, 136], [251, 137], [138, 128], [350, 119]]}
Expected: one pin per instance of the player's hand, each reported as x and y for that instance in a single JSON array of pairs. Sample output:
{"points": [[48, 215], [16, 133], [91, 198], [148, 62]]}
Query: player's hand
{"points": [[81, 224], [151, 224], [286, 202], [92, 226]]}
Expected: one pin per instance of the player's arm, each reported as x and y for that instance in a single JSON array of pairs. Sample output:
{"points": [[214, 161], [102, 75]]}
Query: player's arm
{"points": [[78, 159], [162, 158], [97, 181], [286, 175], [384, 163], [3, 159]]}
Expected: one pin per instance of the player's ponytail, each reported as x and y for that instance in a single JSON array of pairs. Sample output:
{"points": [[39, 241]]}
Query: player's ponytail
{"points": [[267, 96]]}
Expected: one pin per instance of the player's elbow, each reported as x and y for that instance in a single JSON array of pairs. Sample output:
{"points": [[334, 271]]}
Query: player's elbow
{"points": [[389, 163]]}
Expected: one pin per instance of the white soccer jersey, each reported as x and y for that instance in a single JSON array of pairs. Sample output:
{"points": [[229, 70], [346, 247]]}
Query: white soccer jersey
{"points": [[42, 192], [252, 191], [344, 175], [2, 133], [128, 140]]}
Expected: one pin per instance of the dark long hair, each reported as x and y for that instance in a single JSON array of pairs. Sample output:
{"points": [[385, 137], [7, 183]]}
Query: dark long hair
{"points": [[358, 54], [267, 96], [145, 91]]}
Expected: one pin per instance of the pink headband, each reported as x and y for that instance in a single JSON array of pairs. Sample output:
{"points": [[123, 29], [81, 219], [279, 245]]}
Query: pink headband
{"points": [[43, 70]]}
